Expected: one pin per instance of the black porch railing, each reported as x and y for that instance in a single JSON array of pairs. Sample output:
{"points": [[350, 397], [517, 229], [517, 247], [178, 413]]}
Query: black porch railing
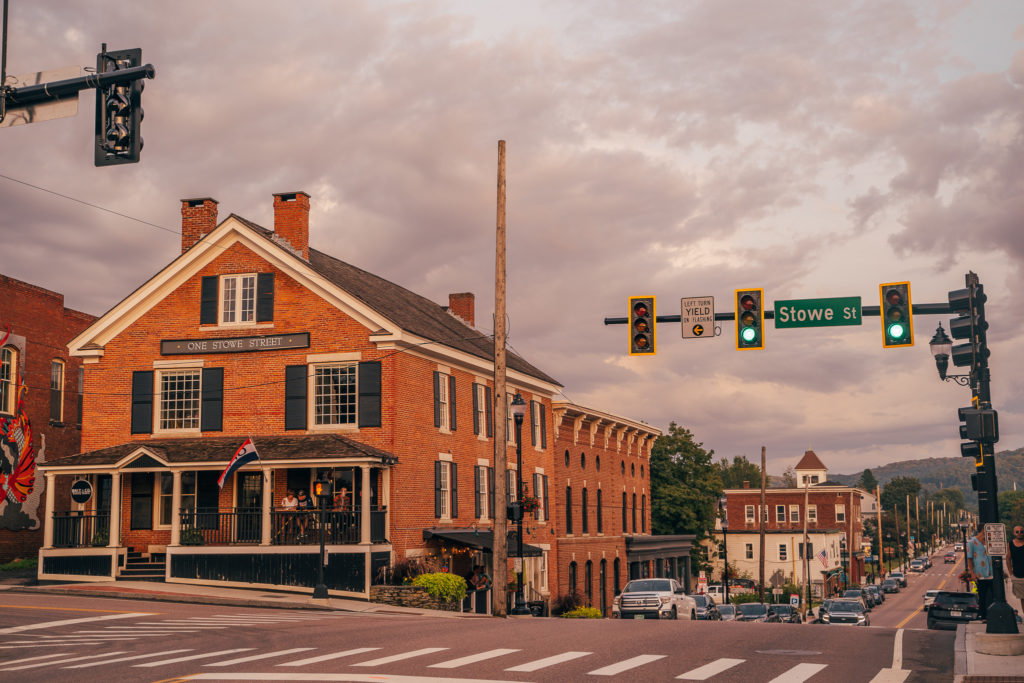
{"points": [[210, 526], [302, 527], [78, 529]]}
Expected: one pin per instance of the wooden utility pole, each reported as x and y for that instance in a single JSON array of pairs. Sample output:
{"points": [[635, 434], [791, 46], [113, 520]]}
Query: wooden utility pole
{"points": [[500, 582], [881, 548], [911, 547], [764, 513], [807, 547]]}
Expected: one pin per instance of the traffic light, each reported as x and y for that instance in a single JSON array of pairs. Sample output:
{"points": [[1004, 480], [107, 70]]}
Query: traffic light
{"points": [[641, 326], [970, 324], [118, 111], [980, 426], [897, 315], [749, 319]]}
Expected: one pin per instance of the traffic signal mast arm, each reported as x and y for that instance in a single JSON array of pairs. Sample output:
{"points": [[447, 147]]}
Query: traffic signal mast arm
{"points": [[867, 311], [44, 92]]}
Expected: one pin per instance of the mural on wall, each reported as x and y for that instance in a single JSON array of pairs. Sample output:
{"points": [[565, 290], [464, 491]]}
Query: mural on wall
{"points": [[18, 498]]}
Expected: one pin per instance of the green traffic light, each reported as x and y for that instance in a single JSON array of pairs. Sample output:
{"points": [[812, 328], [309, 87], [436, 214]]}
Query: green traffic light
{"points": [[897, 331], [748, 334]]}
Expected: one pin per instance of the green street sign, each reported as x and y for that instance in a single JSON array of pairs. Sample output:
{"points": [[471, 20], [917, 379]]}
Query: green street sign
{"points": [[844, 310]]}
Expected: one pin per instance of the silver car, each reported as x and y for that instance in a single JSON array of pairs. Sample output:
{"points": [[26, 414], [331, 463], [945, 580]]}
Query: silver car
{"points": [[653, 599]]}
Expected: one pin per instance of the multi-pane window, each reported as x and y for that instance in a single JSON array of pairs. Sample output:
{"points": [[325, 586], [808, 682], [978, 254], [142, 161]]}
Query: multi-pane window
{"points": [[510, 422], [535, 408], [750, 514], [780, 513], [794, 513], [481, 409], [749, 550], [782, 552], [442, 400], [8, 372], [812, 513], [764, 510], [446, 490], [334, 394], [482, 491], [513, 488], [180, 399], [57, 391], [237, 299], [840, 513], [538, 493]]}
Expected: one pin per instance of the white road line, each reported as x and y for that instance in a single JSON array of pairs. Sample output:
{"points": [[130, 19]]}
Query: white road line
{"points": [[347, 677], [625, 665], [897, 650], [265, 655], [191, 657], [799, 673], [333, 655], [174, 622], [29, 659], [128, 659], [108, 634], [891, 676], [60, 661], [29, 643], [399, 657], [471, 659], [548, 661], [65, 622], [702, 673]]}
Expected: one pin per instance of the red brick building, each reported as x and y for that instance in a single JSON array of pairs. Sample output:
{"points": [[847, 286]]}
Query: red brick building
{"points": [[40, 412], [334, 373]]}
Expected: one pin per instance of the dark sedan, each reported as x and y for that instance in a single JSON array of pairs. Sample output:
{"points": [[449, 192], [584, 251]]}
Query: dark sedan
{"points": [[707, 610], [876, 592], [784, 614], [727, 612], [890, 586], [752, 611], [951, 608], [844, 612]]}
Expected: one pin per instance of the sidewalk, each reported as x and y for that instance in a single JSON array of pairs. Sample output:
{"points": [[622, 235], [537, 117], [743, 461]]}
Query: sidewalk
{"points": [[971, 666], [216, 595]]}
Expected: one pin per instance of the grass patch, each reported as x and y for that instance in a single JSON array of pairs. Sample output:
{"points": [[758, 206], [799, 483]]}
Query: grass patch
{"points": [[28, 563]]}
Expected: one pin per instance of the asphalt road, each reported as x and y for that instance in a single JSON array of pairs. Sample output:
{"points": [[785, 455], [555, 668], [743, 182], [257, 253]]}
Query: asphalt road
{"points": [[903, 609], [48, 638]]}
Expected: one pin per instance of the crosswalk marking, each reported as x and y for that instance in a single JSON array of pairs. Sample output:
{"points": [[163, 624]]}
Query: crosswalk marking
{"points": [[702, 673], [625, 665], [192, 657], [14, 646], [891, 676], [472, 659], [59, 661], [64, 622], [30, 659], [333, 655], [401, 656], [127, 659], [265, 655], [799, 673], [548, 661]]}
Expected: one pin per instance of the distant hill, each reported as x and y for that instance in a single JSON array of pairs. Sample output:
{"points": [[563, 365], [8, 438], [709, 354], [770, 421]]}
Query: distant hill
{"points": [[936, 473]]}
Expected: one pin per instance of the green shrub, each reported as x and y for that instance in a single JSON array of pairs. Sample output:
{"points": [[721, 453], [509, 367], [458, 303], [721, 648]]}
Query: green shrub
{"points": [[583, 613], [743, 597], [442, 585], [27, 563], [192, 536], [101, 538]]}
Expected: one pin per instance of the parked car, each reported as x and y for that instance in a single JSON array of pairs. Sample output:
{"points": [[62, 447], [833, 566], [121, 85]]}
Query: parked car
{"points": [[727, 612], [890, 586], [707, 609], [929, 598], [846, 612], [752, 611], [717, 591], [949, 558], [653, 599], [951, 608], [740, 586], [877, 592], [784, 614], [899, 577], [857, 594]]}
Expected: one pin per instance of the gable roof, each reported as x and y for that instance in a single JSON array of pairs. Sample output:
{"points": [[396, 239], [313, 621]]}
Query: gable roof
{"points": [[810, 461]]}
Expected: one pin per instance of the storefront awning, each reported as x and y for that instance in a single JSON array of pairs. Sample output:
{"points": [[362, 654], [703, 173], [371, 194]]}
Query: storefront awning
{"points": [[479, 539]]}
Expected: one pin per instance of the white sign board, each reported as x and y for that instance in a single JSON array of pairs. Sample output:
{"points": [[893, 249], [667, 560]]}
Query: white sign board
{"points": [[698, 317], [995, 539], [42, 111], [776, 591], [794, 599]]}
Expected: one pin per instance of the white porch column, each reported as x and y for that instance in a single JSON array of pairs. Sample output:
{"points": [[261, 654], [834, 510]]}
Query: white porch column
{"points": [[268, 503], [115, 510], [48, 519], [364, 502], [176, 507]]}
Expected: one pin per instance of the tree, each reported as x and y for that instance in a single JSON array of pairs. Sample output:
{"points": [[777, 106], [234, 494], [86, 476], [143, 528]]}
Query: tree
{"points": [[789, 478], [867, 481], [1011, 507], [897, 490], [740, 470]]}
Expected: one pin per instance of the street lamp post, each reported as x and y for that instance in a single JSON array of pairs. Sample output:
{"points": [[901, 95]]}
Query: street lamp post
{"points": [[323, 494], [725, 546], [518, 411]]}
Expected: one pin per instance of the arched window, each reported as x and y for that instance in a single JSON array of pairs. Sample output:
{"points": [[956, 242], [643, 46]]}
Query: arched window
{"points": [[584, 517], [643, 513], [641, 471], [588, 582], [616, 573], [632, 469], [602, 586], [572, 577], [583, 461], [597, 462], [567, 457], [634, 513], [600, 520], [568, 509], [622, 467], [56, 390], [8, 375], [625, 506]]}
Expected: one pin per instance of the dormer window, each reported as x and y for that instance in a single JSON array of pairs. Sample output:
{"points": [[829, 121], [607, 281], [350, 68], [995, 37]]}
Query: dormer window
{"points": [[237, 299]]}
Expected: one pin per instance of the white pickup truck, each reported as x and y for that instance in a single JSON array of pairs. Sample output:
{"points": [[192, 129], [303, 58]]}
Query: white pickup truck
{"points": [[653, 599]]}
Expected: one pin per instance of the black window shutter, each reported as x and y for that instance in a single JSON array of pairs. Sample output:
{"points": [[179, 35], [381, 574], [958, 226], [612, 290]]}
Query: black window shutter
{"points": [[55, 401], [451, 402], [455, 490], [568, 509], [437, 398], [533, 432], [142, 402], [369, 393], [547, 510], [490, 492], [212, 411], [508, 488], [295, 396], [476, 491], [476, 410], [489, 410], [624, 506], [536, 494], [264, 297], [600, 514], [208, 301], [437, 488], [543, 427]]}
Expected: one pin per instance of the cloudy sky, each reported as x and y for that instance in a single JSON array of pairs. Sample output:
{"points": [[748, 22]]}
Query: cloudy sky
{"points": [[675, 149]]}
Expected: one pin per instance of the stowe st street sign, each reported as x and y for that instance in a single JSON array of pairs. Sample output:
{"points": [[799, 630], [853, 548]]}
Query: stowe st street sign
{"points": [[818, 312]]}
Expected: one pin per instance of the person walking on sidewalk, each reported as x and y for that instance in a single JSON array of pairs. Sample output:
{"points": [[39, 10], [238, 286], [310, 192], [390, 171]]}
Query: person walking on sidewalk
{"points": [[979, 564], [1015, 563]]}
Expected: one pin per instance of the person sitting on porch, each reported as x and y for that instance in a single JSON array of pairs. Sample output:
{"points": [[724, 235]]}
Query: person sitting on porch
{"points": [[304, 504], [341, 499], [289, 502], [481, 581]]}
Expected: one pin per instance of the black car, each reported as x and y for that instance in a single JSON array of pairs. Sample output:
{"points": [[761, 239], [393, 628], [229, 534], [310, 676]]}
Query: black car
{"points": [[862, 595], [844, 612], [707, 610], [752, 611], [877, 593], [890, 586], [784, 614], [951, 608]]}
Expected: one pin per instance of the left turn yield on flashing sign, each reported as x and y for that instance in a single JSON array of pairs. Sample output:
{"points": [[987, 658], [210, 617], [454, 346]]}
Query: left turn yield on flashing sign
{"points": [[697, 315]]}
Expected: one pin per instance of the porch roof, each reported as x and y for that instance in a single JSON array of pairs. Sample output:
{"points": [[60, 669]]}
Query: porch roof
{"points": [[219, 450], [479, 539]]}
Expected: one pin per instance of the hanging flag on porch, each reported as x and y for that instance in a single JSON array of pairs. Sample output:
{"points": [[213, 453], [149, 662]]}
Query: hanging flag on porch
{"points": [[823, 558], [245, 454]]}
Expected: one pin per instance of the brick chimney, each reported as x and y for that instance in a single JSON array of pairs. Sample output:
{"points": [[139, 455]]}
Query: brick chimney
{"points": [[291, 220], [198, 219], [463, 306]]}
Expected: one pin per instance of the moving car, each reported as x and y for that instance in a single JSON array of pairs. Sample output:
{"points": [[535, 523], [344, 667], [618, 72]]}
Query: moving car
{"points": [[899, 577], [707, 610], [727, 612], [949, 558], [752, 611], [929, 598], [917, 566], [890, 586], [653, 599], [951, 608], [857, 594], [876, 592], [844, 612], [958, 547], [784, 614]]}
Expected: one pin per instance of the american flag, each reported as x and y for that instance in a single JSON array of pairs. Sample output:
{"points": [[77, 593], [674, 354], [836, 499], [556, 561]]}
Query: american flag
{"points": [[823, 558]]}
